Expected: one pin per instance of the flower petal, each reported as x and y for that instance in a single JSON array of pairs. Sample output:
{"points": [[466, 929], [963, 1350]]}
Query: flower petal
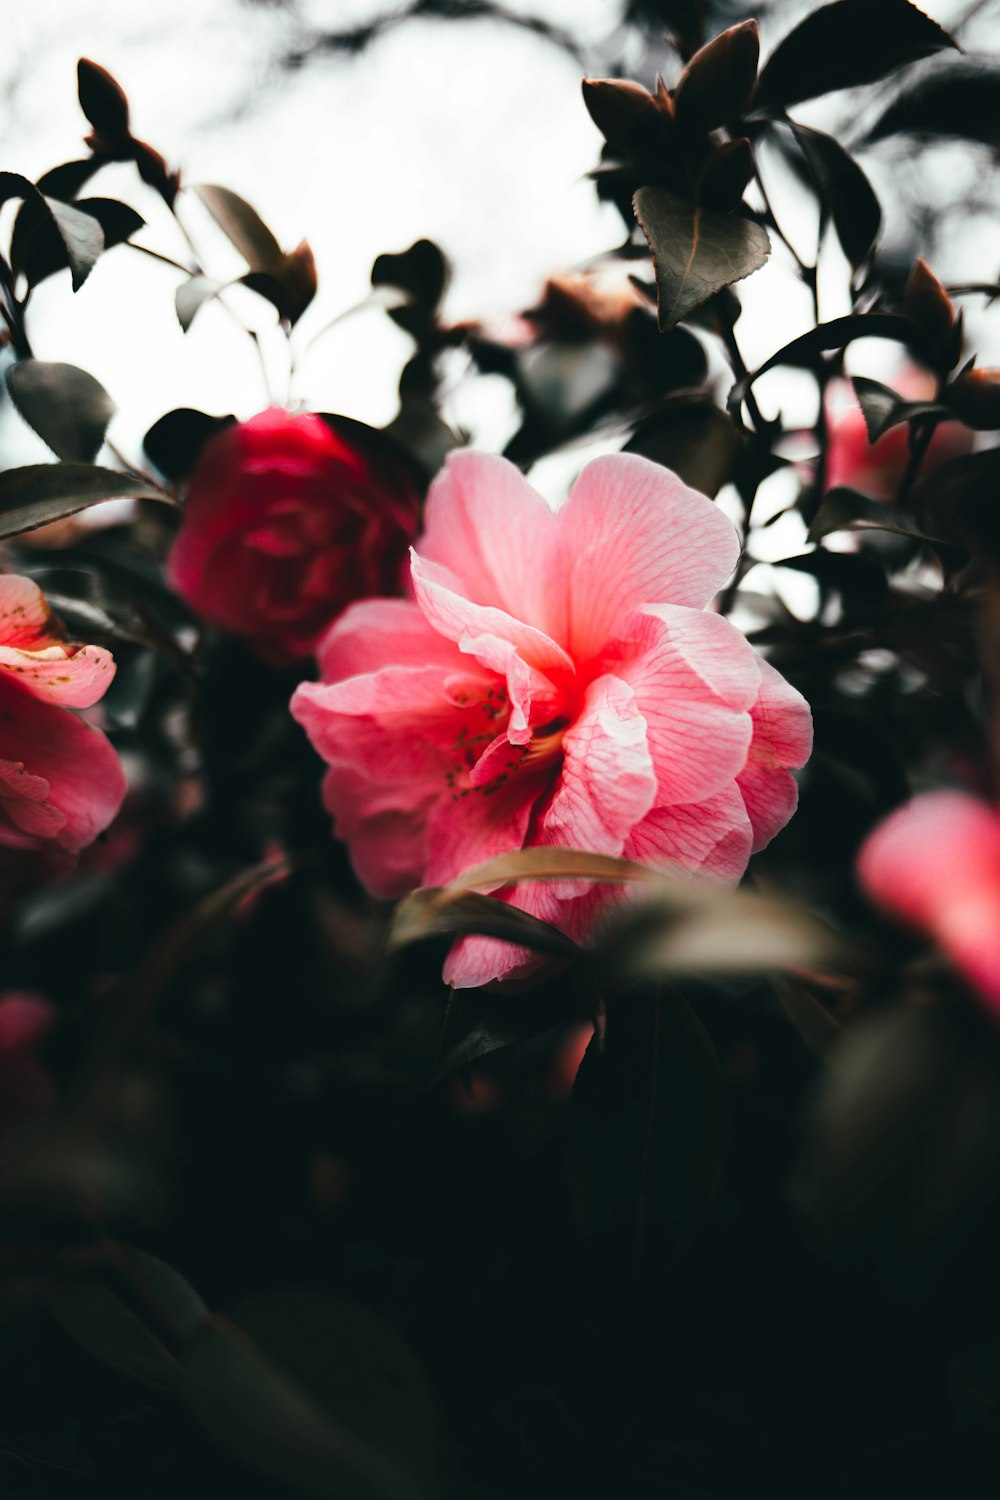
{"points": [[694, 678], [782, 737], [632, 533], [493, 532], [711, 838]]}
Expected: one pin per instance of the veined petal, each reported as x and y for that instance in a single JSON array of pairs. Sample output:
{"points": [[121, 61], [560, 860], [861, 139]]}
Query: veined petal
{"points": [[711, 838], [607, 783], [376, 632], [782, 737], [632, 533], [75, 678], [451, 613], [694, 678], [489, 528]]}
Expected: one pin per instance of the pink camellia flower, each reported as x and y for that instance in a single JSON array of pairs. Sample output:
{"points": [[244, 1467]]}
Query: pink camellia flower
{"points": [[285, 524], [935, 863], [877, 469], [60, 779], [555, 680]]}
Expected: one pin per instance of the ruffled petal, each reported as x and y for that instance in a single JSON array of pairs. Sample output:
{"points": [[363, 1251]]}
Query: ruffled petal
{"points": [[782, 737], [632, 533], [694, 678], [489, 528]]}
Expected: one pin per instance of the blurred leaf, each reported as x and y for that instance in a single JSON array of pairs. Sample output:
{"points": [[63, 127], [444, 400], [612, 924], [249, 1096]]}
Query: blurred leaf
{"points": [[33, 496], [695, 439], [38, 249], [974, 397], [695, 252], [175, 440], [192, 295], [650, 1125], [102, 99], [959, 96], [242, 225], [66, 180], [853, 574], [279, 1419], [818, 1027], [421, 272], [81, 235], [289, 286], [737, 932], [717, 85], [67, 407], [844, 44], [883, 409], [848, 510], [844, 190], [137, 1321], [434, 912], [625, 113], [927, 302]]}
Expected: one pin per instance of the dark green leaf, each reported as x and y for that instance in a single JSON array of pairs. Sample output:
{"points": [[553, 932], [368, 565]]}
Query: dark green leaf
{"points": [[717, 84], [696, 252], [848, 510], [67, 407], [695, 439], [650, 1124], [845, 44], [242, 225], [844, 190], [421, 271], [33, 496], [884, 409], [959, 96], [102, 99], [174, 442], [625, 113], [80, 235], [66, 180], [294, 1415], [853, 574]]}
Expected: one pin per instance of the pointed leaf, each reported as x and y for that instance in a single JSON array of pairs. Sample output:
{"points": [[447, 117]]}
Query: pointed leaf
{"points": [[884, 409], [241, 224], [33, 496], [192, 295], [845, 44], [958, 97], [67, 407], [433, 912], [844, 191], [696, 252], [717, 84]]}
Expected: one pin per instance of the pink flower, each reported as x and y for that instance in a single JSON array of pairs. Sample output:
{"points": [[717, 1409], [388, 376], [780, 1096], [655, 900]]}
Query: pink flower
{"points": [[60, 779], [286, 523], [555, 679], [935, 863]]}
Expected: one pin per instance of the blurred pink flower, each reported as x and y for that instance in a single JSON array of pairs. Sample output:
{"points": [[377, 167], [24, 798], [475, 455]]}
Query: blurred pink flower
{"points": [[556, 680], [935, 863], [286, 522], [60, 779]]}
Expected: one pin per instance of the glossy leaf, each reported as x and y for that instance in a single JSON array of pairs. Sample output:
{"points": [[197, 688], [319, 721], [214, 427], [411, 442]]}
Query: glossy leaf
{"points": [[844, 191], [241, 224], [33, 496], [844, 44], [175, 440], [67, 407], [696, 252], [883, 409], [102, 99], [958, 98], [434, 912], [718, 82]]}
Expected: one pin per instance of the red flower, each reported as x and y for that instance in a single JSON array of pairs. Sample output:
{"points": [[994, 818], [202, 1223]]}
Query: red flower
{"points": [[60, 780], [286, 523]]}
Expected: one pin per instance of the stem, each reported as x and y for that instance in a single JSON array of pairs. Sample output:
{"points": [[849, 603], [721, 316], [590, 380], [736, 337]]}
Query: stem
{"points": [[13, 313], [805, 271]]}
